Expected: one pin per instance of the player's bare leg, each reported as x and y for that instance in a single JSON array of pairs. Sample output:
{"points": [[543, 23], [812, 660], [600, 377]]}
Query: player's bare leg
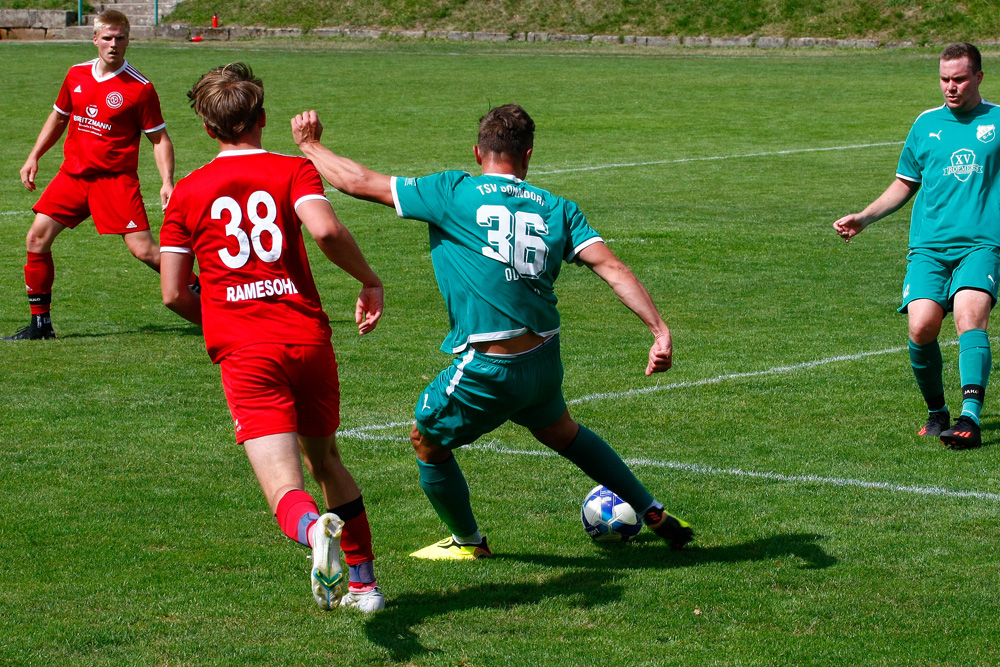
{"points": [[275, 461], [144, 248], [343, 499], [42, 233], [595, 457], [39, 274]]}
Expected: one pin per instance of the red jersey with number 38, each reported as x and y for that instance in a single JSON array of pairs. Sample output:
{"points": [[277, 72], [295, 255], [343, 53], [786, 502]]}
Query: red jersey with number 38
{"points": [[106, 118], [237, 216]]}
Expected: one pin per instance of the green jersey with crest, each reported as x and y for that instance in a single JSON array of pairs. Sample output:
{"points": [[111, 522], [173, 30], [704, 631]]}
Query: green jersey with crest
{"points": [[497, 244], [955, 158]]}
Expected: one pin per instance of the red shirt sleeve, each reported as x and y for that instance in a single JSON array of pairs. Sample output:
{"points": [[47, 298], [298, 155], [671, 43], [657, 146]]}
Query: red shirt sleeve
{"points": [[174, 233], [64, 102], [150, 116], [306, 183]]}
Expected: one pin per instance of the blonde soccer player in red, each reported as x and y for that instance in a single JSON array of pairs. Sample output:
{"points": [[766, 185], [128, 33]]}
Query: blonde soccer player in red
{"points": [[104, 106], [240, 215]]}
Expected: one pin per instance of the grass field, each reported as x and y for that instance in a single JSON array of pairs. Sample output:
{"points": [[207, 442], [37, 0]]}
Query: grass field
{"points": [[133, 531]]}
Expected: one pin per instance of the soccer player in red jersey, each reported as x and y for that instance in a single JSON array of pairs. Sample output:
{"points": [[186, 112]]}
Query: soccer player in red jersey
{"points": [[240, 215], [104, 106]]}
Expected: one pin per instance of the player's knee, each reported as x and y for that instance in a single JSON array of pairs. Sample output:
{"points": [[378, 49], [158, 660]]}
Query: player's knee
{"points": [[145, 253], [560, 435], [427, 450], [924, 333], [33, 243], [40, 237], [325, 467], [322, 460]]}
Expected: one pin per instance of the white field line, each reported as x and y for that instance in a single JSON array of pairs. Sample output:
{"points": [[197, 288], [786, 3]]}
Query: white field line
{"points": [[29, 211], [773, 476], [628, 165], [365, 433], [793, 151]]}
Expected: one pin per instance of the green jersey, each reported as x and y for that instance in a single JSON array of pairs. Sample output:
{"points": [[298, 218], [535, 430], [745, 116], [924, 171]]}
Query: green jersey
{"points": [[955, 158], [497, 245]]}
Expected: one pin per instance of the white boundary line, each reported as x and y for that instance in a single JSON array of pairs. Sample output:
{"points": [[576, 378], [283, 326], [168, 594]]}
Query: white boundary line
{"points": [[792, 151], [628, 165], [364, 433], [773, 476], [149, 207]]}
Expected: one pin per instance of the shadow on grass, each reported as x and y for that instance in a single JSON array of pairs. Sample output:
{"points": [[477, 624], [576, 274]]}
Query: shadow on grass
{"points": [[590, 583], [990, 427], [655, 554], [180, 329]]}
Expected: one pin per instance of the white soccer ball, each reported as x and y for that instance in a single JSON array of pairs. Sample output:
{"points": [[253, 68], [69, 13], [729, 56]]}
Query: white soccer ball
{"points": [[608, 518]]}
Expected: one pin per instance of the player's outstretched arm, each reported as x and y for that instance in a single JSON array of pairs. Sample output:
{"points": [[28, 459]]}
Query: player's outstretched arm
{"points": [[348, 176], [336, 242], [599, 258], [163, 154], [53, 128], [890, 201], [175, 271]]}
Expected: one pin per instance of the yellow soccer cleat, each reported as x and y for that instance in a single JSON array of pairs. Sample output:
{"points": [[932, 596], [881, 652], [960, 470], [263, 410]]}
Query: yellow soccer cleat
{"points": [[449, 549]]}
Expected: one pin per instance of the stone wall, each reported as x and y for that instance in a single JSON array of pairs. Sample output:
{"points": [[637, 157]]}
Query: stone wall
{"points": [[35, 23], [23, 24]]}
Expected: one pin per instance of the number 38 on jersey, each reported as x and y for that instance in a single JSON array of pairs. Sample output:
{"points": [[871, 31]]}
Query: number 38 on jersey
{"points": [[261, 223]]}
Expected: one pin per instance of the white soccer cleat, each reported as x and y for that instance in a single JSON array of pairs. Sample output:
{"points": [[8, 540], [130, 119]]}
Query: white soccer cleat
{"points": [[327, 572], [367, 602]]}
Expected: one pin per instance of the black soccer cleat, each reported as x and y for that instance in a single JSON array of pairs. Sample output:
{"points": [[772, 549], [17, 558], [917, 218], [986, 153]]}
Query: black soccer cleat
{"points": [[40, 328], [673, 530], [965, 434], [936, 423]]}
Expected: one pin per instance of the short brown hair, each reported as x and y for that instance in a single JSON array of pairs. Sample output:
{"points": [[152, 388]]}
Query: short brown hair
{"points": [[111, 18], [964, 50], [506, 130], [228, 99]]}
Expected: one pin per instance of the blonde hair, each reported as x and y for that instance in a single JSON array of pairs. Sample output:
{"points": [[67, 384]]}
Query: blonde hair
{"points": [[228, 99], [111, 18]]}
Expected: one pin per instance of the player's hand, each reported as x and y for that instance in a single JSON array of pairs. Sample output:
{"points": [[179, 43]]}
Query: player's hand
{"points": [[165, 192], [306, 128], [28, 172], [368, 311], [849, 226], [661, 354]]}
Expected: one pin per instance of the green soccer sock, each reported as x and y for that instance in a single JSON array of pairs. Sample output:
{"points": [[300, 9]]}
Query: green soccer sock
{"points": [[446, 488], [974, 362], [927, 368], [591, 454]]}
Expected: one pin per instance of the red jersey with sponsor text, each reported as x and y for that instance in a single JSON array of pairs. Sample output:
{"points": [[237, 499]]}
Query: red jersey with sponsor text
{"points": [[237, 216], [106, 118]]}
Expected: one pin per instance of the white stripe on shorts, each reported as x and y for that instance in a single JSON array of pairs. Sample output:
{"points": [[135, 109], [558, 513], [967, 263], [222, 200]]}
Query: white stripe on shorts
{"points": [[458, 374]]}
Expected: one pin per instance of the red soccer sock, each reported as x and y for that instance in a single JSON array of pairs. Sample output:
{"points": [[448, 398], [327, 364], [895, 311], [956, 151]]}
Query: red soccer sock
{"points": [[356, 543], [39, 274], [296, 513]]}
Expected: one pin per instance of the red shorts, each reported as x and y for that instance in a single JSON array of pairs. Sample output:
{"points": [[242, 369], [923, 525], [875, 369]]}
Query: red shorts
{"points": [[113, 200], [274, 388]]}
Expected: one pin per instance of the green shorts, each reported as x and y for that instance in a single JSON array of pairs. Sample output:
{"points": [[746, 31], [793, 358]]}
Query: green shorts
{"points": [[479, 392], [938, 274]]}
